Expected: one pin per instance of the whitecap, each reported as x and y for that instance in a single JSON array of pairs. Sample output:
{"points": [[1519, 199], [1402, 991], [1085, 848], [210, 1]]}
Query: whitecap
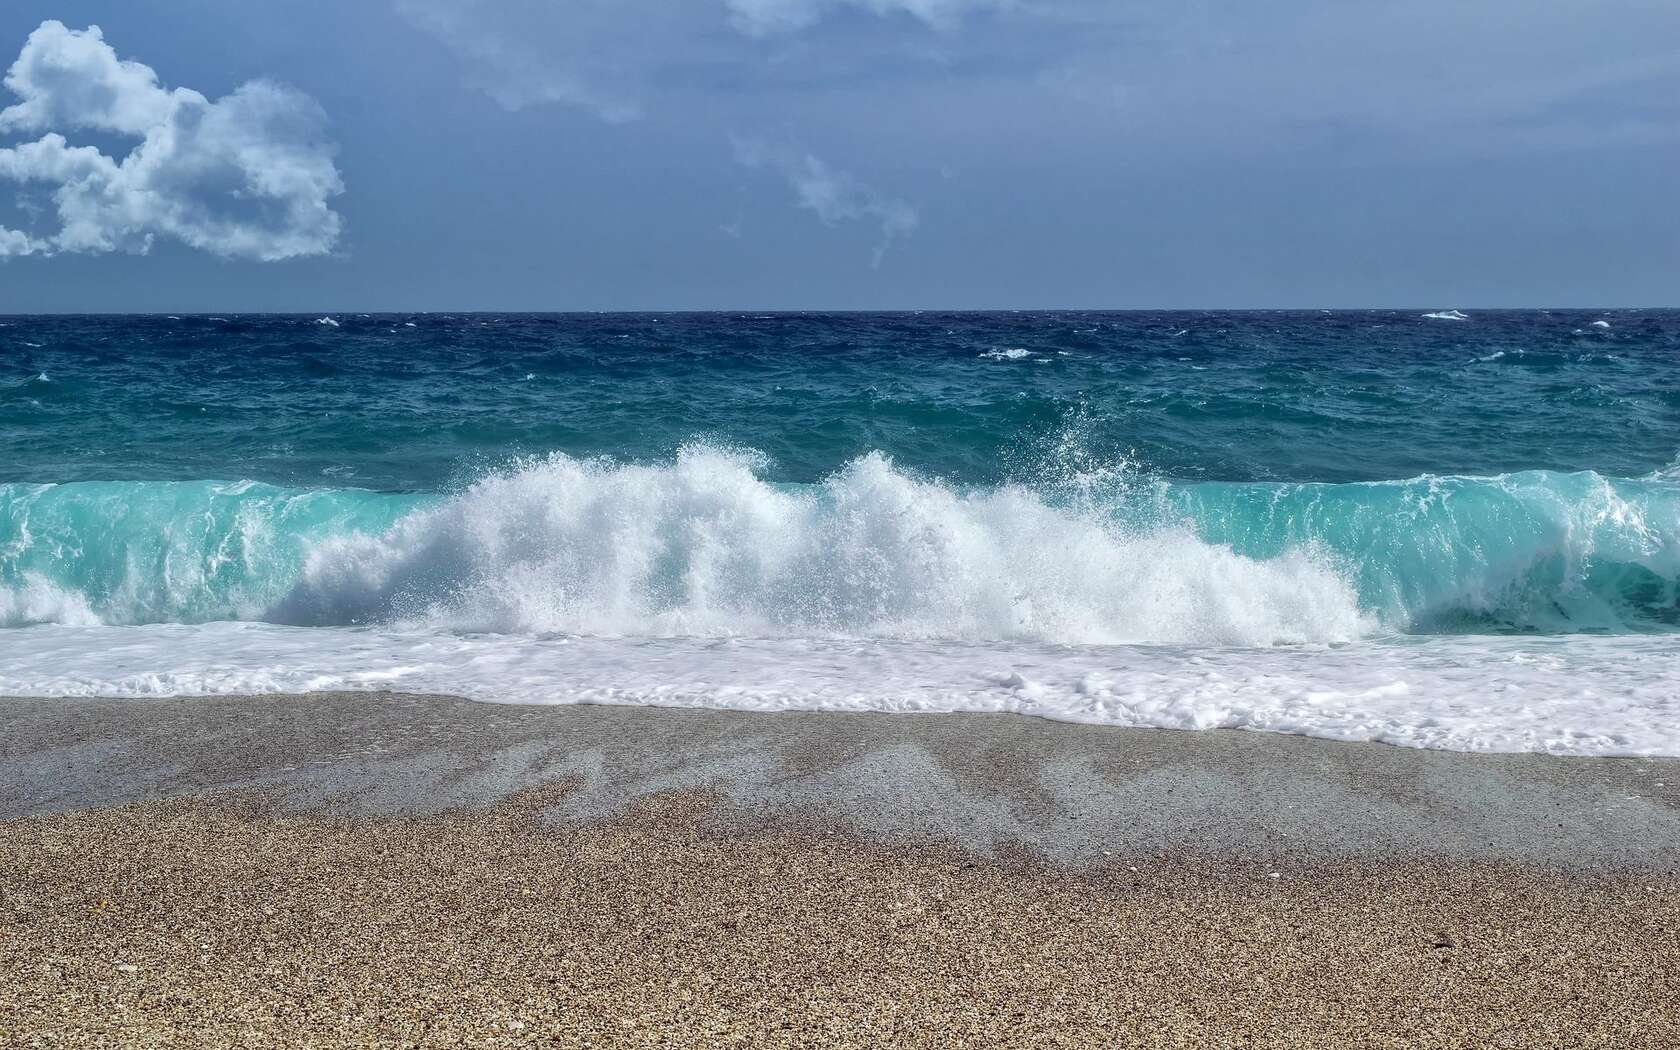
{"points": [[1448, 315], [705, 546]]}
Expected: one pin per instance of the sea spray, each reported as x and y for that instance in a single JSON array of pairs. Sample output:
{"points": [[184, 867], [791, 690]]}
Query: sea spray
{"points": [[704, 546]]}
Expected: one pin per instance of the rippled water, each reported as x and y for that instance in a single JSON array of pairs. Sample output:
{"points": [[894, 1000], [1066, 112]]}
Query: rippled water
{"points": [[963, 397]]}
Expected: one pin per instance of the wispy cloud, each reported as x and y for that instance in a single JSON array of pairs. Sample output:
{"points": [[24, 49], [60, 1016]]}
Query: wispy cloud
{"points": [[835, 196], [248, 175], [766, 17], [606, 57], [586, 64]]}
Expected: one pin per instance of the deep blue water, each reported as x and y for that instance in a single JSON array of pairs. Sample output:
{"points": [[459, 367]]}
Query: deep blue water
{"points": [[966, 398]]}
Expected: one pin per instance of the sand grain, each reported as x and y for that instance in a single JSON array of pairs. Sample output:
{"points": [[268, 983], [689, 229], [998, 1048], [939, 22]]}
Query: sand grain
{"points": [[249, 927]]}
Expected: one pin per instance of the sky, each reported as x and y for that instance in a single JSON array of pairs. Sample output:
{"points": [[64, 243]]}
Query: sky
{"points": [[316, 155]]}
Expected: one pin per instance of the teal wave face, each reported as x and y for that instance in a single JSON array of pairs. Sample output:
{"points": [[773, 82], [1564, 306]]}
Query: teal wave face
{"points": [[1530, 552], [167, 552], [705, 545]]}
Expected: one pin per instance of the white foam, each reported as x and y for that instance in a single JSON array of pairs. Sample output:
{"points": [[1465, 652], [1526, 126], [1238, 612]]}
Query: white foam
{"points": [[327, 321], [1601, 324], [705, 546], [37, 600], [1568, 695], [1014, 353], [1448, 315]]}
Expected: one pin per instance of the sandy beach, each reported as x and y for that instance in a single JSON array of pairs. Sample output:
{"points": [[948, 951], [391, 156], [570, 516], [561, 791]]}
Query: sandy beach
{"points": [[384, 870], [862, 524]]}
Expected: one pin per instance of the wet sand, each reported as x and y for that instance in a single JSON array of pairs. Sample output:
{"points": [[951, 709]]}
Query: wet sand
{"points": [[389, 871]]}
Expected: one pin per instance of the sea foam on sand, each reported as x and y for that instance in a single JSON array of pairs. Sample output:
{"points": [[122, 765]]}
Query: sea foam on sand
{"points": [[1576, 695]]}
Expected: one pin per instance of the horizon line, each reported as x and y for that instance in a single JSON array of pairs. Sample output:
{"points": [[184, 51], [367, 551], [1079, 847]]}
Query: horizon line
{"points": [[789, 311]]}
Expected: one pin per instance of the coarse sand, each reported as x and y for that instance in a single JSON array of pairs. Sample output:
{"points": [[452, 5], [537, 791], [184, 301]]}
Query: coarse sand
{"points": [[220, 920]]}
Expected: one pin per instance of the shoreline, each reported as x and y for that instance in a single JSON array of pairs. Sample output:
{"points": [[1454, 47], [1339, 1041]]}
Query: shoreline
{"points": [[387, 870], [981, 782]]}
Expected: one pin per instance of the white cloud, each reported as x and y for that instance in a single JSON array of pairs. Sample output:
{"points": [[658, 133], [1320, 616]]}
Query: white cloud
{"points": [[835, 196], [244, 176], [16, 242]]}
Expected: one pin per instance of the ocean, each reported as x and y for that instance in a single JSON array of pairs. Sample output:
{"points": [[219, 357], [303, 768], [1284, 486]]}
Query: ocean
{"points": [[1430, 528]]}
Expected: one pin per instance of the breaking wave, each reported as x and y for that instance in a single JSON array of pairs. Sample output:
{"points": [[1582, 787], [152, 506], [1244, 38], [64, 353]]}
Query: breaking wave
{"points": [[704, 546]]}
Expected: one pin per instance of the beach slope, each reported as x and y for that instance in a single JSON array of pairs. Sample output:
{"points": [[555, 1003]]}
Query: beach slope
{"points": [[389, 870]]}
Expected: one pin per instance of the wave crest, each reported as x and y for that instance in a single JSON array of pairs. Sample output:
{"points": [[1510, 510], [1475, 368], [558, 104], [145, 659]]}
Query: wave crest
{"points": [[704, 546]]}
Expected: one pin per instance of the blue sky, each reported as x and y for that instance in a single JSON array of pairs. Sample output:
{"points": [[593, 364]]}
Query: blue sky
{"points": [[653, 154]]}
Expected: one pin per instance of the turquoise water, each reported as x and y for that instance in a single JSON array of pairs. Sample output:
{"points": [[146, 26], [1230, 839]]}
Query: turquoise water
{"points": [[1531, 552]]}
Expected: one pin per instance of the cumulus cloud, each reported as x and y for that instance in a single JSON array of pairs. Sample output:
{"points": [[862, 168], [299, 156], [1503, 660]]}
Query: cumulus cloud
{"points": [[245, 176], [835, 196]]}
